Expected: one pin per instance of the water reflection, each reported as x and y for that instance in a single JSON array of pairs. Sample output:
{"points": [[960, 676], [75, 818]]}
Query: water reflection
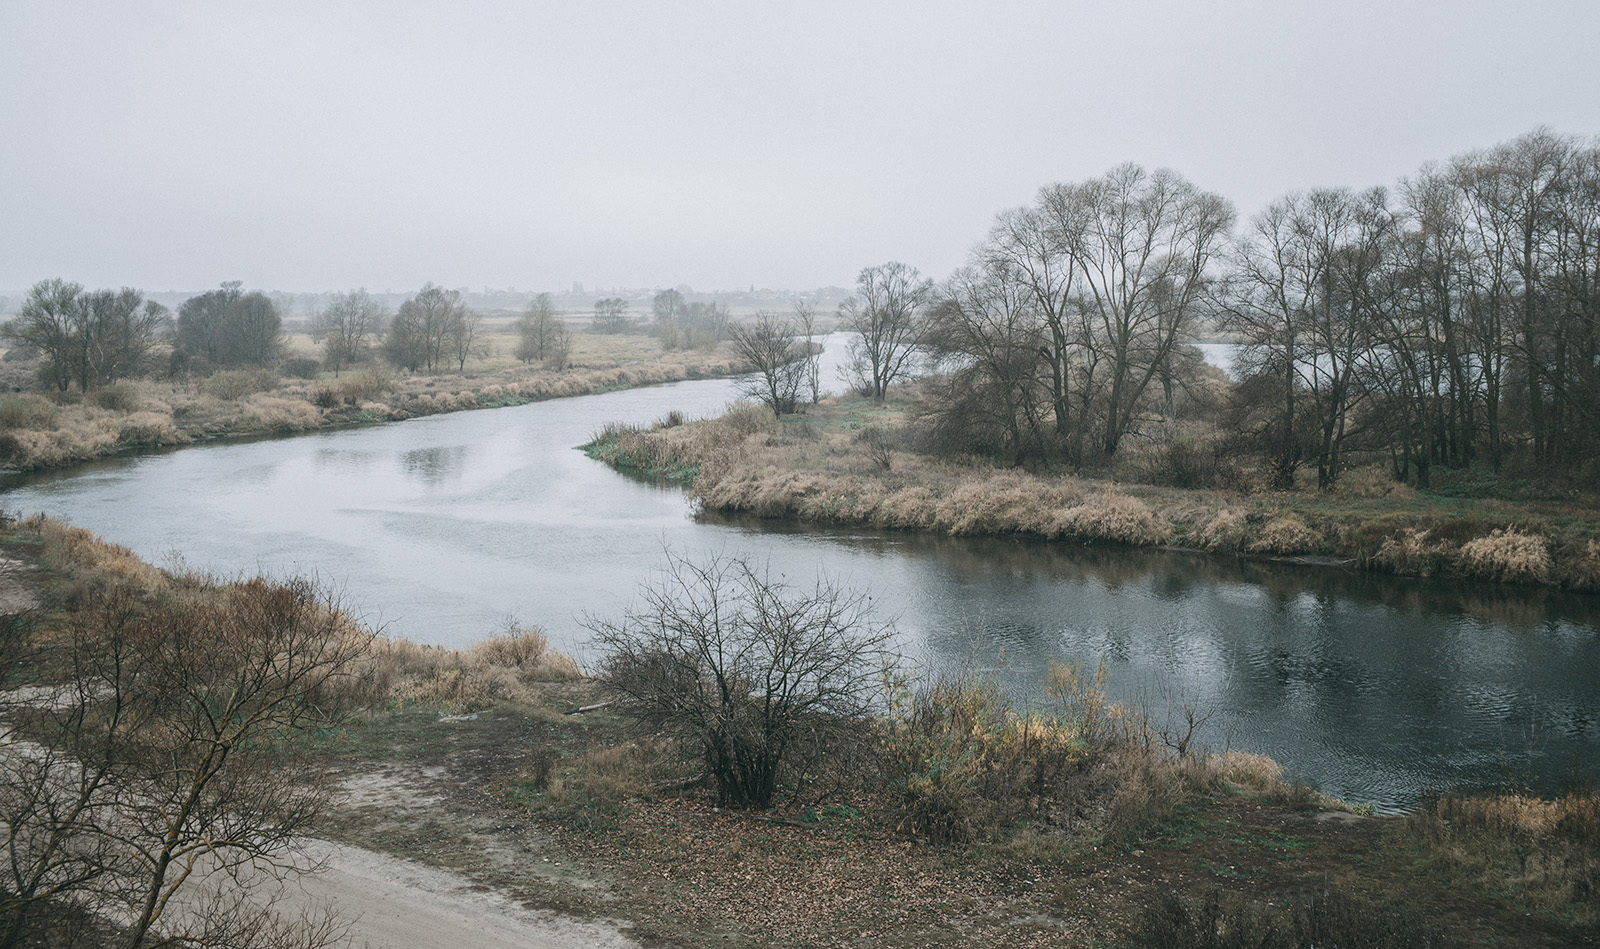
{"points": [[435, 465]]}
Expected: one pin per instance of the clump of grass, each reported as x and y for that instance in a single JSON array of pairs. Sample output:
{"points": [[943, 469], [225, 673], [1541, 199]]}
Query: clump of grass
{"points": [[121, 397], [1374, 481], [1412, 552], [1227, 530], [1506, 555], [1544, 853], [1287, 534], [1114, 516], [498, 669], [525, 649], [1582, 567]]}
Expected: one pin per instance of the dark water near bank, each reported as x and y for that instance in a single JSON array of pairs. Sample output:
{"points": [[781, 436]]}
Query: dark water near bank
{"points": [[438, 528]]}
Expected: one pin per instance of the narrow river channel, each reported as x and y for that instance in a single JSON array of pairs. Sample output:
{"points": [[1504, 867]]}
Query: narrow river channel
{"points": [[1371, 688]]}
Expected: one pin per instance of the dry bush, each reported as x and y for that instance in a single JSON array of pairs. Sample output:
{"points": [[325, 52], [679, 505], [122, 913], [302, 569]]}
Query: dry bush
{"points": [[83, 556], [27, 410], [1580, 567], [268, 413], [1249, 770], [1506, 555], [498, 669], [1412, 552], [1287, 534], [1225, 531], [526, 650], [964, 765], [151, 429], [231, 385], [1545, 852], [442, 679], [1115, 517], [594, 785], [121, 397], [323, 395]]}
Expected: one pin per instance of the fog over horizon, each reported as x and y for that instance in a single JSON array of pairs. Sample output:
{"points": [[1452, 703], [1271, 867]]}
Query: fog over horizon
{"points": [[304, 147]]}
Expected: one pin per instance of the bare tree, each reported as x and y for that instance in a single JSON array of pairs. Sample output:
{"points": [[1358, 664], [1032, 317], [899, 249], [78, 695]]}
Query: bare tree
{"points": [[754, 678], [805, 318], [538, 328], [780, 360], [163, 770], [464, 337], [345, 326], [93, 338], [888, 312], [229, 327], [421, 333], [1027, 247], [611, 316], [1142, 244], [1000, 395]]}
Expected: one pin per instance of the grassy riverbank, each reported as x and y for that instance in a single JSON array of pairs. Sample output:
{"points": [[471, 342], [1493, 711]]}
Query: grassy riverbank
{"points": [[52, 430], [850, 461], [957, 820]]}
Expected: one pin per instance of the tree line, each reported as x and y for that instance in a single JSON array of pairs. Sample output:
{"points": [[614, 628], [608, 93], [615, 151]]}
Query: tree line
{"points": [[1449, 320], [84, 339]]}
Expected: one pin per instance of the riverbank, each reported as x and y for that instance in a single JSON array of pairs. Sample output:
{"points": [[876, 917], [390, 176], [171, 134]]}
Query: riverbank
{"points": [[849, 461], [471, 763], [41, 431]]}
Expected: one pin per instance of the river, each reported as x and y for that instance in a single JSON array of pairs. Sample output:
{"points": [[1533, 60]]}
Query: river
{"points": [[439, 528]]}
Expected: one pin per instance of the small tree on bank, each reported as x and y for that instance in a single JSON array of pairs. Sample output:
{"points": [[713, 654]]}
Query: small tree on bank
{"points": [[753, 677], [346, 326], [781, 361]]}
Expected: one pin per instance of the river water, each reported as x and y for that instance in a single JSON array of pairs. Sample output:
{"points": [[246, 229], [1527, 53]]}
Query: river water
{"points": [[439, 528]]}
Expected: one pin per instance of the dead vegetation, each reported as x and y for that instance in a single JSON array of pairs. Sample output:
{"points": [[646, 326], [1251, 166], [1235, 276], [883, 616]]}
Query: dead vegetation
{"points": [[820, 467], [53, 430], [1543, 852]]}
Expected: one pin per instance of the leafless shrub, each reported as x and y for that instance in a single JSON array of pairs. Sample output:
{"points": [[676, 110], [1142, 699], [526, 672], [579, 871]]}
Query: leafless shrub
{"points": [[879, 444], [748, 675], [163, 765]]}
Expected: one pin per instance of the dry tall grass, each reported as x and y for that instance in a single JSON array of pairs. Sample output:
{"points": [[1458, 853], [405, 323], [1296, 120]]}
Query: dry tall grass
{"points": [[39, 430], [1545, 852], [818, 468], [498, 669], [965, 764], [1506, 555]]}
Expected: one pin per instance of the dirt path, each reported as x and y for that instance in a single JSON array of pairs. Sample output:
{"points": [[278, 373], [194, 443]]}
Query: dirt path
{"points": [[398, 904]]}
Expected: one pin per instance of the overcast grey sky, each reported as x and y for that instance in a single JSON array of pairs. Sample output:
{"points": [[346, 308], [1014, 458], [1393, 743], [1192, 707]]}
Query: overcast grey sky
{"points": [[314, 146]]}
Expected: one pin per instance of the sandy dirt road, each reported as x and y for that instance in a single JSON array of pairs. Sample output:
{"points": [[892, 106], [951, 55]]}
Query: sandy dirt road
{"points": [[391, 903]]}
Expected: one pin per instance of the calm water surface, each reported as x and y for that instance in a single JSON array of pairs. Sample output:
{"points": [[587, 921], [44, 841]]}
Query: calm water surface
{"points": [[439, 528]]}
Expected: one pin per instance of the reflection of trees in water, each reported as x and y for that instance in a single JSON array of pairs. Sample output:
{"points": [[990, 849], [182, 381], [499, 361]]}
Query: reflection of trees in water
{"points": [[436, 465], [345, 459], [1177, 575]]}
